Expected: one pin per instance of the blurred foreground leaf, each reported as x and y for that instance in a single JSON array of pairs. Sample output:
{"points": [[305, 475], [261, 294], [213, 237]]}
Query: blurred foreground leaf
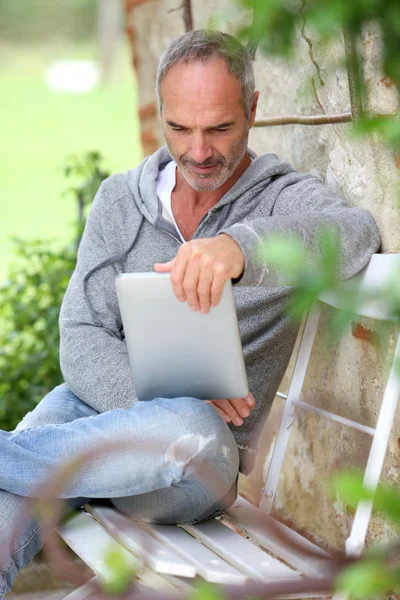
{"points": [[206, 591], [386, 126], [368, 578], [120, 570], [311, 272], [349, 487]]}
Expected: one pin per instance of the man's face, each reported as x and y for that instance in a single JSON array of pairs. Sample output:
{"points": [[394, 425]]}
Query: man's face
{"points": [[204, 122]]}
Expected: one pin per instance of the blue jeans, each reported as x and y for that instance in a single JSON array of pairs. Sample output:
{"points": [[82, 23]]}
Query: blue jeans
{"points": [[154, 478]]}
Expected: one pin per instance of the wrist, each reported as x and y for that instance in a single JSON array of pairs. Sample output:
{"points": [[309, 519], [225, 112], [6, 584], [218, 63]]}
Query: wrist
{"points": [[236, 256]]}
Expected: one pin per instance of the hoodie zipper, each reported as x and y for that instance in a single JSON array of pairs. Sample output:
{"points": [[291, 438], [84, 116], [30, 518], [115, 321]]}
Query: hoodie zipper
{"points": [[221, 219], [167, 228]]}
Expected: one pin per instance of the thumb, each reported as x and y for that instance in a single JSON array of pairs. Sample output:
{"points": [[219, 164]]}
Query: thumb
{"points": [[250, 400], [164, 267]]}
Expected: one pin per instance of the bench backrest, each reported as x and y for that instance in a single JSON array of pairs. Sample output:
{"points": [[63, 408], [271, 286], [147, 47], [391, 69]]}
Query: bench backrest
{"points": [[376, 277]]}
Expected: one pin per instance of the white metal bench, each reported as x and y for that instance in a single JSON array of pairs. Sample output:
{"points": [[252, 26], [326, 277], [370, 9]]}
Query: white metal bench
{"points": [[174, 555]]}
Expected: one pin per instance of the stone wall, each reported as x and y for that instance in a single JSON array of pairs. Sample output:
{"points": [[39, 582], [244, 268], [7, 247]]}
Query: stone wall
{"points": [[349, 375]]}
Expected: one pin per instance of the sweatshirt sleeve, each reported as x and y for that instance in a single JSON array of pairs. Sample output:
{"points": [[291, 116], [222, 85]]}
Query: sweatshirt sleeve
{"points": [[302, 208], [93, 355]]}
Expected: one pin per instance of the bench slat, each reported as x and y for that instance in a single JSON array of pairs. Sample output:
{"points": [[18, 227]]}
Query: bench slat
{"points": [[91, 542], [158, 557], [241, 553], [255, 523], [210, 566], [83, 592]]}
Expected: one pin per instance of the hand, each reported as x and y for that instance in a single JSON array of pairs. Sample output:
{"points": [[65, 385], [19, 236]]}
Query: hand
{"points": [[234, 409], [201, 268]]}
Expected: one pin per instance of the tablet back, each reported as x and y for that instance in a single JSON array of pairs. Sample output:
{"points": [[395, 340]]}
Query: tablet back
{"points": [[174, 351]]}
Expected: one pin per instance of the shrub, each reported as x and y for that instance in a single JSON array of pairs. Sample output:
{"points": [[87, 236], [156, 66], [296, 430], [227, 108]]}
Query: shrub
{"points": [[30, 303], [29, 338]]}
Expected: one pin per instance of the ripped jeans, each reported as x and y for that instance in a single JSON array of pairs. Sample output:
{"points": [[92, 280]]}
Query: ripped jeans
{"points": [[180, 465]]}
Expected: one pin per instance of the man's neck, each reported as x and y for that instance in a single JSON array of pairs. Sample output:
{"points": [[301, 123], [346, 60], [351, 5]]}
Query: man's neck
{"points": [[208, 199]]}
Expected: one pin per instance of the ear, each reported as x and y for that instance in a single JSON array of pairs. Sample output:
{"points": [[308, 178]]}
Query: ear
{"points": [[254, 108]]}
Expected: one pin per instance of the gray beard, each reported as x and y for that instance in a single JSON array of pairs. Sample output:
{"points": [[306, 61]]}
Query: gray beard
{"points": [[209, 183]]}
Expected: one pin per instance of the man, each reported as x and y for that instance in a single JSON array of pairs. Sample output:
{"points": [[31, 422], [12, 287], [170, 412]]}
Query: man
{"points": [[199, 210]]}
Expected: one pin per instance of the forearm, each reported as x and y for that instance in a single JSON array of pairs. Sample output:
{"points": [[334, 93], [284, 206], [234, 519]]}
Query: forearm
{"points": [[95, 366], [356, 230]]}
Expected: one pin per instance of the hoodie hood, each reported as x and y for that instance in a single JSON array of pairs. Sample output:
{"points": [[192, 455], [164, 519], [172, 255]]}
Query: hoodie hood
{"points": [[142, 180]]}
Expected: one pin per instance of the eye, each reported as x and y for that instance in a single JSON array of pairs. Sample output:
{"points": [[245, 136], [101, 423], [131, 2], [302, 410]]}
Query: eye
{"points": [[175, 128], [221, 129]]}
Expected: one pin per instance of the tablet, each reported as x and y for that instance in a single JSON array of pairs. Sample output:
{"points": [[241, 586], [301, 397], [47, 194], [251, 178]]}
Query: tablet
{"points": [[175, 352]]}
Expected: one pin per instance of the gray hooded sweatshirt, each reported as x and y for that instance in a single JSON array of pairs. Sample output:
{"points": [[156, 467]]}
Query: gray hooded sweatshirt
{"points": [[125, 232]]}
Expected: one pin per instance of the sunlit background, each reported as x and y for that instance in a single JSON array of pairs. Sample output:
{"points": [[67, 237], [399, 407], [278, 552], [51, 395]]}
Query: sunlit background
{"points": [[66, 87]]}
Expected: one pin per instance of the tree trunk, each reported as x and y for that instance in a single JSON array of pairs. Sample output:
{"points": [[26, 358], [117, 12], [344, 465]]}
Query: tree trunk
{"points": [[109, 35]]}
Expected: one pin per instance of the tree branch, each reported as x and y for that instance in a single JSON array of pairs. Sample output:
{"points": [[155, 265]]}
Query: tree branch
{"points": [[353, 74], [187, 15], [252, 45], [304, 120]]}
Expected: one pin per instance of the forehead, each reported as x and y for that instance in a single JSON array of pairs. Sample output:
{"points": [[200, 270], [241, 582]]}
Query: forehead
{"points": [[200, 91]]}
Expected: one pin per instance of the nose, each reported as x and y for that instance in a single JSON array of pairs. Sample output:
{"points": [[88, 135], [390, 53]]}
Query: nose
{"points": [[201, 149]]}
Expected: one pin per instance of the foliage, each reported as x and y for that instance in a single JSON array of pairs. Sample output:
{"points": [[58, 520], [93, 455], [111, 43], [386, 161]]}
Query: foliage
{"points": [[29, 338], [25, 20], [274, 24], [29, 307], [272, 27], [87, 173], [206, 591], [309, 274], [368, 578], [120, 570], [377, 573], [387, 127], [349, 486]]}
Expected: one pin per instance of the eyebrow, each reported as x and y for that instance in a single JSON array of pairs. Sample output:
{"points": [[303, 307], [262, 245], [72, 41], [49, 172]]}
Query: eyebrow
{"points": [[218, 126]]}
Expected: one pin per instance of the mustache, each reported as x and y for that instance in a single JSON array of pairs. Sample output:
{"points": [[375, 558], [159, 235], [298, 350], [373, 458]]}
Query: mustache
{"points": [[207, 163]]}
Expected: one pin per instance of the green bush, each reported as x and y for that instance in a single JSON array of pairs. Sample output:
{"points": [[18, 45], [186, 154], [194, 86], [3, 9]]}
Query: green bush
{"points": [[30, 304], [29, 338], [26, 21]]}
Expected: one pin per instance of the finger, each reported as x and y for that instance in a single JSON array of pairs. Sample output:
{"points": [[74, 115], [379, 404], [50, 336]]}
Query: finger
{"points": [[240, 406], [164, 267], [230, 410], [191, 281], [221, 412], [250, 400], [178, 274], [219, 279], [204, 288]]}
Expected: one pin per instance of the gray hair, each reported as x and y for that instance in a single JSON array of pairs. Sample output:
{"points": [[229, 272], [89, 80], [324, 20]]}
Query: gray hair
{"points": [[203, 44]]}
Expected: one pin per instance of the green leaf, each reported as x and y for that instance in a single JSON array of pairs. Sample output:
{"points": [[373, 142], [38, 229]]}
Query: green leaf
{"points": [[311, 271], [274, 27], [286, 255], [120, 570], [386, 126], [206, 591], [349, 486], [329, 243], [366, 578], [387, 501]]}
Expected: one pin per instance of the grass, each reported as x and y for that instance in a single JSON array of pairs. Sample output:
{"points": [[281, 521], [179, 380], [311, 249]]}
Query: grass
{"points": [[41, 129]]}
